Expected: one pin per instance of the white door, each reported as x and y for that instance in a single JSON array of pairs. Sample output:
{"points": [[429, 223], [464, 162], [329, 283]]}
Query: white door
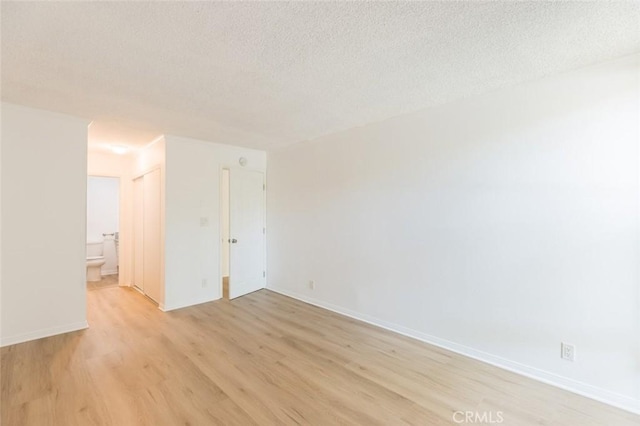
{"points": [[247, 233], [138, 233], [151, 239]]}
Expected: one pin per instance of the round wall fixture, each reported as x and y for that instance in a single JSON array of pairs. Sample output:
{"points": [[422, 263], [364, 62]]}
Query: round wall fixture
{"points": [[242, 161]]}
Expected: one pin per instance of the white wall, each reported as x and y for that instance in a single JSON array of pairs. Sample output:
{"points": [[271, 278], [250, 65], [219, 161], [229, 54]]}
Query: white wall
{"points": [[44, 176], [103, 201], [1, 316], [101, 163], [193, 248], [150, 157], [497, 226]]}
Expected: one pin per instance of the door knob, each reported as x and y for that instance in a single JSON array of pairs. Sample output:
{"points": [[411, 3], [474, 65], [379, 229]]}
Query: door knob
{"points": [[233, 241]]}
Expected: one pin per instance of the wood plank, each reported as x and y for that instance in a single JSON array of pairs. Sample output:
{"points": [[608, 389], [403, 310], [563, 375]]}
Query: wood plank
{"points": [[261, 359]]}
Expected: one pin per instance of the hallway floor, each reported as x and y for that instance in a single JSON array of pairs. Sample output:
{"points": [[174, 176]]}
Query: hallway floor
{"points": [[106, 281]]}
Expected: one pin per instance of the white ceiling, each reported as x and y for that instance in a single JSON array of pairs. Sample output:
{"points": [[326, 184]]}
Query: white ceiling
{"points": [[269, 74]]}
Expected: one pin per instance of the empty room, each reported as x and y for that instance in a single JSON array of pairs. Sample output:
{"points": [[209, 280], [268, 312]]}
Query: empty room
{"points": [[319, 213]]}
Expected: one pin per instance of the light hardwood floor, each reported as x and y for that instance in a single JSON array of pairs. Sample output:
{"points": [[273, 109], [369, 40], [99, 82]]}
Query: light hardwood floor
{"points": [[261, 359], [106, 281], [225, 287]]}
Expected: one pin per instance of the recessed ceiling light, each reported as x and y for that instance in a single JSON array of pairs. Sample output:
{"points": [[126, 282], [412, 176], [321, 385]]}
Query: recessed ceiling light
{"points": [[119, 149]]}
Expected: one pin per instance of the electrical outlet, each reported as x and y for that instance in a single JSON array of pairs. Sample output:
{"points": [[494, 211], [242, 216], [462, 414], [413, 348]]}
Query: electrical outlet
{"points": [[204, 282], [312, 284], [568, 351]]}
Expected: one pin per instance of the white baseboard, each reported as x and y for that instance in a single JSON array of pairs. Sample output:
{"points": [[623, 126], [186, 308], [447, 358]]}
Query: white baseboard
{"points": [[165, 308], [108, 272], [584, 389], [46, 332]]}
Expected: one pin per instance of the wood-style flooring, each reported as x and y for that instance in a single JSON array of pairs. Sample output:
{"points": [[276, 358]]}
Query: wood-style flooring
{"points": [[225, 287], [106, 281], [262, 359]]}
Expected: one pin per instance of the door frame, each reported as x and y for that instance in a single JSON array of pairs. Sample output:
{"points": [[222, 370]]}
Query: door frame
{"points": [[220, 224]]}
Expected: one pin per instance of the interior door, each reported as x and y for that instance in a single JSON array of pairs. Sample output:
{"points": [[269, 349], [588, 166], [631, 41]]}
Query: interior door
{"points": [[247, 232], [151, 238], [138, 233]]}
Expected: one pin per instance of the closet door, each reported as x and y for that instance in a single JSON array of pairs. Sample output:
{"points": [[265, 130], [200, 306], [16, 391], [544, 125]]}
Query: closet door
{"points": [[138, 233], [151, 238]]}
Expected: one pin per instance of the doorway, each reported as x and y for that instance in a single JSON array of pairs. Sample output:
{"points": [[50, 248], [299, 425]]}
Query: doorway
{"points": [[103, 236], [243, 232]]}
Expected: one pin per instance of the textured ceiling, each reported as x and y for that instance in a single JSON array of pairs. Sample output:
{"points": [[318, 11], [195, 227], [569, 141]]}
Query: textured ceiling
{"points": [[269, 74]]}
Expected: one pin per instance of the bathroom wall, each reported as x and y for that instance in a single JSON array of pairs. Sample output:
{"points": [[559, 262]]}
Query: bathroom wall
{"points": [[106, 163], [103, 205], [44, 178], [103, 213]]}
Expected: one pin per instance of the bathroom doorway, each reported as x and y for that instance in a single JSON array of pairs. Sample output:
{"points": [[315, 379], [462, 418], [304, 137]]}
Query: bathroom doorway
{"points": [[103, 236]]}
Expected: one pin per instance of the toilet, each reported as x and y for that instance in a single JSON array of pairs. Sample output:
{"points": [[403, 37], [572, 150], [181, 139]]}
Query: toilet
{"points": [[95, 260]]}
